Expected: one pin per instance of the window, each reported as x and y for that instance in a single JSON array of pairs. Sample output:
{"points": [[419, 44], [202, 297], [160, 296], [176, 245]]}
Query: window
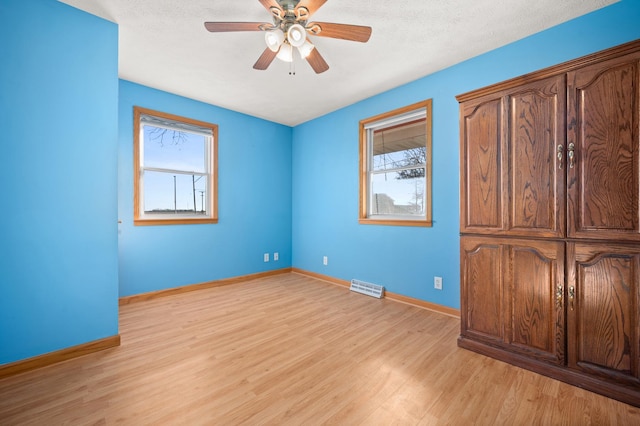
{"points": [[395, 167], [175, 169]]}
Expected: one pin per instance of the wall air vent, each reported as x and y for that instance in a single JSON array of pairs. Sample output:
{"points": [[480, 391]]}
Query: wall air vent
{"points": [[367, 288]]}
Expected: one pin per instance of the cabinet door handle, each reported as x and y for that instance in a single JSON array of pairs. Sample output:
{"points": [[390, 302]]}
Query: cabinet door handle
{"points": [[560, 151], [571, 155], [572, 295], [559, 296]]}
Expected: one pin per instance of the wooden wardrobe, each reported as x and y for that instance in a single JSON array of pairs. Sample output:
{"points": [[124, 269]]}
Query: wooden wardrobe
{"points": [[550, 222]]}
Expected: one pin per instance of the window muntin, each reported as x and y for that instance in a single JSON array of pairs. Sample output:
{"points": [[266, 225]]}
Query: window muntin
{"points": [[175, 169], [395, 176]]}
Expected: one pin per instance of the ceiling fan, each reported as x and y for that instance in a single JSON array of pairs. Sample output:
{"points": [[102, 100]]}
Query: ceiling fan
{"points": [[289, 30]]}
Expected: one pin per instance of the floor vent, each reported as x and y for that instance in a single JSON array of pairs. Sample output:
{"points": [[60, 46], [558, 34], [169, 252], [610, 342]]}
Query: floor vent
{"points": [[367, 288]]}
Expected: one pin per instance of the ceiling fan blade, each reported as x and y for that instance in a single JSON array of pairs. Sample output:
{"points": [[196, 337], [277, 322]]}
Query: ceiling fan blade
{"points": [[223, 27], [317, 62], [265, 59], [268, 4], [342, 31], [311, 5]]}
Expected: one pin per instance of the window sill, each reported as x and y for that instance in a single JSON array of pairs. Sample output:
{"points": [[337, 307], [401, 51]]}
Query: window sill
{"points": [[395, 222], [177, 221]]}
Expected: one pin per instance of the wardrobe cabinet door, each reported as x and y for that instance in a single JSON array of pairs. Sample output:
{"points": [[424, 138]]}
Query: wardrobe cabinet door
{"points": [[535, 277], [602, 310], [603, 149], [536, 137], [483, 166], [482, 299]]}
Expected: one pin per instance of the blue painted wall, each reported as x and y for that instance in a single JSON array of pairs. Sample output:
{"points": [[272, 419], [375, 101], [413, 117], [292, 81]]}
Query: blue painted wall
{"points": [[325, 165], [58, 162], [254, 197]]}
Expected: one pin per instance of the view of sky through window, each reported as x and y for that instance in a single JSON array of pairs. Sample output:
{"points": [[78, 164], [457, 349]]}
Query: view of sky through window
{"points": [[174, 170]]}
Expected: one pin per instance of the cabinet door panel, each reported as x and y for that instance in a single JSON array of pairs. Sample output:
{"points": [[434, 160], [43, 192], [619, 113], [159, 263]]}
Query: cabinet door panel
{"points": [[603, 119], [482, 167], [536, 280], [536, 176], [602, 316], [482, 298]]}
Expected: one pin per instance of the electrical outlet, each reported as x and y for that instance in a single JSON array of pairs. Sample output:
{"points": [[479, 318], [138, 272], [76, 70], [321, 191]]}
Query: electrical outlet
{"points": [[266, 257], [437, 283], [325, 260], [275, 256]]}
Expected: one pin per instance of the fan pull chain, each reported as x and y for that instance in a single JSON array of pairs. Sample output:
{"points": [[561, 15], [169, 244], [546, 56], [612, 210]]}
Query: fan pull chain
{"points": [[292, 68]]}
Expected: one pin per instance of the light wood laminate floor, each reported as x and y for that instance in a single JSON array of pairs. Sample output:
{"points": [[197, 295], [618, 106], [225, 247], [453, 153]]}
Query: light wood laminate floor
{"points": [[292, 350]]}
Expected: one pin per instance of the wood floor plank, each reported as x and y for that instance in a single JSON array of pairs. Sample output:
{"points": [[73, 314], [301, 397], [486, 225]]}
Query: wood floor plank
{"points": [[292, 350]]}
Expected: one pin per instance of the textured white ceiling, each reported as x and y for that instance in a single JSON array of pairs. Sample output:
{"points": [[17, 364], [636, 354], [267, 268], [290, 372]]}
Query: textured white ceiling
{"points": [[163, 44]]}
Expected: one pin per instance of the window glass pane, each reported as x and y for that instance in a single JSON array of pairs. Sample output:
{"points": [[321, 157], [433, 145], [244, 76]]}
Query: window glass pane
{"points": [[174, 149], [173, 193], [400, 146], [398, 193]]}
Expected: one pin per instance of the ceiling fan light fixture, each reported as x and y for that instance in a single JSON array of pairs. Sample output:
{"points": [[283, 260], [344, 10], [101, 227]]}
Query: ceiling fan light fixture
{"points": [[290, 27], [305, 49], [274, 39], [297, 35], [285, 53]]}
